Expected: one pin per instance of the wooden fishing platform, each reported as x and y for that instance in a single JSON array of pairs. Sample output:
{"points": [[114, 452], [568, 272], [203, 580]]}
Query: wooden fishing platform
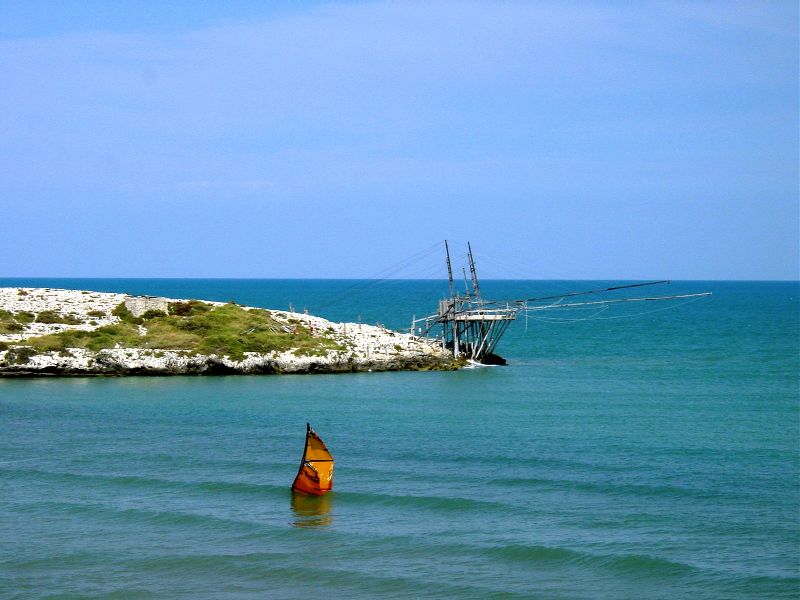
{"points": [[471, 327], [465, 325]]}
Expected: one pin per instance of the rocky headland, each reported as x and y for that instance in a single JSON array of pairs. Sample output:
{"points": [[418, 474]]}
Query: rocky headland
{"points": [[46, 331]]}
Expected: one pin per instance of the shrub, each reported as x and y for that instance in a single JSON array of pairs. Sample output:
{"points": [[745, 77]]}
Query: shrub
{"points": [[51, 316], [189, 308], [109, 336], [12, 327], [25, 317], [96, 313], [19, 355], [122, 334], [48, 316], [153, 314], [126, 316], [8, 324]]}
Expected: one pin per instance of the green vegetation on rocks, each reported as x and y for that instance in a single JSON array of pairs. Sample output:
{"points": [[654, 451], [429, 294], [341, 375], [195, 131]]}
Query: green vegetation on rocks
{"points": [[197, 327], [19, 355], [14, 322], [51, 316], [10, 323]]}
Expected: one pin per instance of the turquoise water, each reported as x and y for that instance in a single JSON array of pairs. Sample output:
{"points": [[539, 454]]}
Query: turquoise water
{"points": [[654, 456]]}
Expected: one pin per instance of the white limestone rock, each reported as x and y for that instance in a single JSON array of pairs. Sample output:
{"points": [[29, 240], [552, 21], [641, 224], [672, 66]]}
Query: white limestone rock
{"points": [[367, 347]]}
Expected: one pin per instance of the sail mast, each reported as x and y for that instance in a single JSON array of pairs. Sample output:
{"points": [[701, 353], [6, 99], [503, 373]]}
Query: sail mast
{"points": [[472, 272], [449, 269]]}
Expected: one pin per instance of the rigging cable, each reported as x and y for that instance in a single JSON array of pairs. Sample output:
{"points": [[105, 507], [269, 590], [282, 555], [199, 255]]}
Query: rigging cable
{"points": [[688, 298], [384, 275]]}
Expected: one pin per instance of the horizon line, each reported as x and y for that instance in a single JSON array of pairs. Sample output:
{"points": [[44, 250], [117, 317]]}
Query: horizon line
{"points": [[94, 277]]}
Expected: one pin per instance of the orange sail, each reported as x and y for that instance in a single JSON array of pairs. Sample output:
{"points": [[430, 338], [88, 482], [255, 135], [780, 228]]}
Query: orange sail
{"points": [[315, 475]]}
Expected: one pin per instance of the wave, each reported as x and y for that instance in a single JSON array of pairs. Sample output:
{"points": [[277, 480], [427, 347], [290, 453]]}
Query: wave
{"points": [[640, 567], [493, 460], [628, 566], [612, 488], [442, 503], [348, 561], [138, 481], [135, 515]]}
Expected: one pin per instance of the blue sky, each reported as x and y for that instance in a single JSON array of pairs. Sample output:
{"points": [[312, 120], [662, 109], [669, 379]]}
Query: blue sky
{"points": [[594, 140]]}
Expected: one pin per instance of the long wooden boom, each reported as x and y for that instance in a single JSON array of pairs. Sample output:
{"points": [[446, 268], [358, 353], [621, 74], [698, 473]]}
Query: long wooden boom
{"points": [[574, 304]]}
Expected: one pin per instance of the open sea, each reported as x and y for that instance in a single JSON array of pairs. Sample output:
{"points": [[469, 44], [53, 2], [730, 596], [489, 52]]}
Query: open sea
{"points": [[631, 453]]}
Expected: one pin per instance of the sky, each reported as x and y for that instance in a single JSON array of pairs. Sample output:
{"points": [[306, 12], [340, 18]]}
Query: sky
{"points": [[566, 140]]}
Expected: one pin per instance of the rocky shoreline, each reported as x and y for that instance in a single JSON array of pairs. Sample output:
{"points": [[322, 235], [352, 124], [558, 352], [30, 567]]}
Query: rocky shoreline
{"points": [[33, 321]]}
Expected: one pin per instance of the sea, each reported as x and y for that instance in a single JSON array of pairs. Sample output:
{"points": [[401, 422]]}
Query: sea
{"points": [[643, 450]]}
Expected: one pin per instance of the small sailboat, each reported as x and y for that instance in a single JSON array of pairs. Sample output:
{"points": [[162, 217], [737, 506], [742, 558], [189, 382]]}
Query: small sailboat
{"points": [[315, 475]]}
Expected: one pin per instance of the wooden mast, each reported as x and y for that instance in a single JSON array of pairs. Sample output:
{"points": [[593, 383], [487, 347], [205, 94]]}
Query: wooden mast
{"points": [[469, 329]]}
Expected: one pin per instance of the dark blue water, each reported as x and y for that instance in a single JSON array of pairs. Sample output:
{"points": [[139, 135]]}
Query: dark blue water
{"points": [[649, 456]]}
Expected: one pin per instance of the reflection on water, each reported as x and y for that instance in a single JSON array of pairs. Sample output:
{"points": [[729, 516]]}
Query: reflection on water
{"points": [[311, 511]]}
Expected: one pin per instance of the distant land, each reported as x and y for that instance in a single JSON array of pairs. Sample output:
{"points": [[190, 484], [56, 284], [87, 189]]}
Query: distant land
{"points": [[47, 331]]}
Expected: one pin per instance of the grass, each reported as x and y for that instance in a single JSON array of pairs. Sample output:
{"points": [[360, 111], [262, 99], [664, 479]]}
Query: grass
{"points": [[227, 330]]}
